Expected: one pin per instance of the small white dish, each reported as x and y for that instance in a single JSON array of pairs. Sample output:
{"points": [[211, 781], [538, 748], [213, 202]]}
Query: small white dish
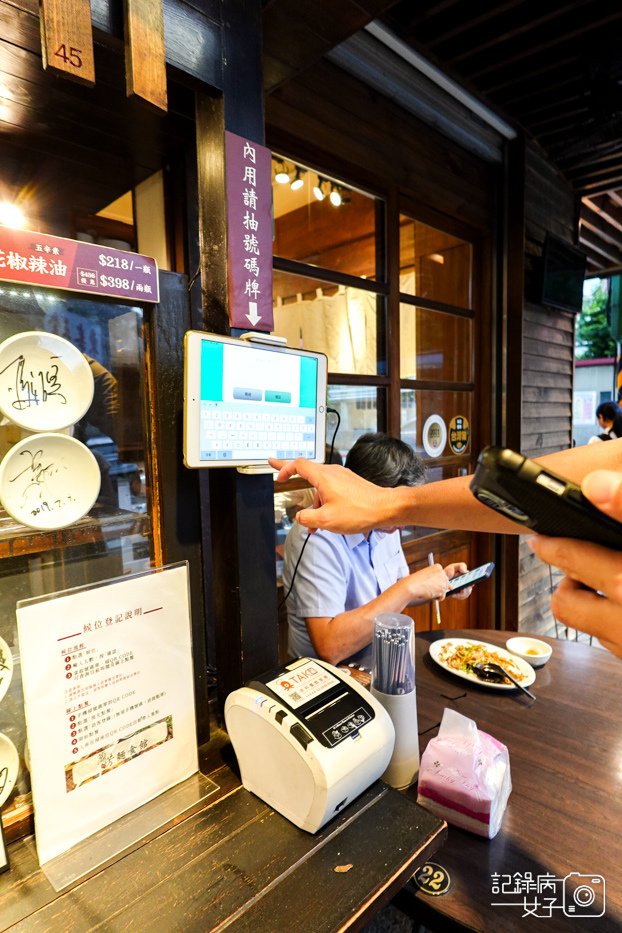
{"points": [[9, 767], [49, 481], [6, 667], [46, 383], [532, 650]]}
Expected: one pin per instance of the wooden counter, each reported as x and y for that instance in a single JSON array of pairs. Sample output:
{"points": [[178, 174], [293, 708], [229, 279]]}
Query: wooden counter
{"points": [[236, 864]]}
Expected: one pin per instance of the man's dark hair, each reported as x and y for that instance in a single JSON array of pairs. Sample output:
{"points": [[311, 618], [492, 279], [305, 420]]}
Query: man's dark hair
{"points": [[385, 461]]}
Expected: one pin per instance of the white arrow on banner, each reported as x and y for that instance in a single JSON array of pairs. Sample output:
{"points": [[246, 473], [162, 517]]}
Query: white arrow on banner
{"points": [[252, 313]]}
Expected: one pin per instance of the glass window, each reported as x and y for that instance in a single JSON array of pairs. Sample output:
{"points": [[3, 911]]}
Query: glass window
{"points": [[437, 424], [434, 345], [322, 221], [343, 322], [115, 537], [434, 264], [361, 409]]}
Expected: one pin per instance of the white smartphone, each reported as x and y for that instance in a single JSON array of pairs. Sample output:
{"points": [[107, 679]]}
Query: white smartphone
{"points": [[470, 577]]}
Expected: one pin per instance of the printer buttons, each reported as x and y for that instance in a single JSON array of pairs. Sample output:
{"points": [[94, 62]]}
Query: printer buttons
{"points": [[301, 734], [280, 715]]}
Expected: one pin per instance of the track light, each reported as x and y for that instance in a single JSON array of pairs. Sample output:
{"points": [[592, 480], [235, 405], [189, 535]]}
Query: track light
{"points": [[335, 196], [318, 189], [282, 176], [298, 181]]}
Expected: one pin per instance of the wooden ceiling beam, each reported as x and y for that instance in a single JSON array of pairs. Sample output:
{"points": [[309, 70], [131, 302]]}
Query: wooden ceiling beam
{"points": [[566, 117], [604, 187], [599, 227], [535, 97], [593, 172], [606, 207], [493, 12], [569, 164], [611, 254], [531, 49]]}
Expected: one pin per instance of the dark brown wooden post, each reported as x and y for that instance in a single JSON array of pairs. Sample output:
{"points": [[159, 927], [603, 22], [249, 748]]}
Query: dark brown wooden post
{"points": [[145, 55], [241, 507], [509, 375]]}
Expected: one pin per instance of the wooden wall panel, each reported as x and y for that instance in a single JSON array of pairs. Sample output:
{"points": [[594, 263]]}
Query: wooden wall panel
{"points": [[547, 367]]}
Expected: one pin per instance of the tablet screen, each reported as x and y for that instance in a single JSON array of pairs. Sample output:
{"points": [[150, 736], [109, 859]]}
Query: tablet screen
{"points": [[245, 402]]}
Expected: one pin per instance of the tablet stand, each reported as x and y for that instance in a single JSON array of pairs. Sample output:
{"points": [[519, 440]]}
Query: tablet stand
{"points": [[255, 468]]}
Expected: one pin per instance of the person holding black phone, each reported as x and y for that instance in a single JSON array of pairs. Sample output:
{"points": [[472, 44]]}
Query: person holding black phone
{"points": [[347, 503], [591, 571]]}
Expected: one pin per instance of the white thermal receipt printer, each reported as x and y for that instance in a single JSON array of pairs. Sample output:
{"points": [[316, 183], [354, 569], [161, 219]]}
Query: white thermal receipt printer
{"points": [[308, 739]]}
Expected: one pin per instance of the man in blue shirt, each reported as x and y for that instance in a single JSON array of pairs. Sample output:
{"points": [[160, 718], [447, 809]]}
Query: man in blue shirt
{"points": [[337, 584]]}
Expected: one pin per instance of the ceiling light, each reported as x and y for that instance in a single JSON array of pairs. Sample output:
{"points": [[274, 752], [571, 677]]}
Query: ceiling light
{"points": [[335, 196], [11, 215], [298, 181], [318, 190], [281, 177]]}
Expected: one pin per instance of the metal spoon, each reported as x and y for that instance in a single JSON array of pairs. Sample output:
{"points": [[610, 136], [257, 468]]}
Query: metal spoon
{"points": [[495, 672]]}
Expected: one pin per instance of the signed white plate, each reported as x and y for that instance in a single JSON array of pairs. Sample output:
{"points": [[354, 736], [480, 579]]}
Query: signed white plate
{"points": [[6, 667], [9, 767], [45, 382], [438, 647], [49, 481]]}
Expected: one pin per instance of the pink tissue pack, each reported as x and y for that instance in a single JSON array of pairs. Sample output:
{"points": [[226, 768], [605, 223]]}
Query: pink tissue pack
{"points": [[464, 777]]}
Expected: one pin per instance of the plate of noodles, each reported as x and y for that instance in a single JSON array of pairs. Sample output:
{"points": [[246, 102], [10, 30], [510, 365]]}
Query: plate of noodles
{"points": [[458, 655]]}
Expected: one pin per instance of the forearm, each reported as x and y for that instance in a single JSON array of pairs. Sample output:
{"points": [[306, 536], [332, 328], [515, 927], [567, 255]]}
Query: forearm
{"points": [[446, 504], [450, 503], [345, 634]]}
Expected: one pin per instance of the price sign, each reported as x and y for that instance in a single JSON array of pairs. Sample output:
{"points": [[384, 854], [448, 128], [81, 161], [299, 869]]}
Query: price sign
{"points": [[54, 262], [67, 38]]}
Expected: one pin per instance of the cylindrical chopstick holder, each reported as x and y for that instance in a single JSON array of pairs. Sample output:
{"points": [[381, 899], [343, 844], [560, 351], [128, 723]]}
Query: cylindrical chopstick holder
{"points": [[393, 685]]}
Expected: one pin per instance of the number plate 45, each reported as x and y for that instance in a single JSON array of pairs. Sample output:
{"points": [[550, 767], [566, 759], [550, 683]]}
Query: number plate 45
{"points": [[67, 39]]}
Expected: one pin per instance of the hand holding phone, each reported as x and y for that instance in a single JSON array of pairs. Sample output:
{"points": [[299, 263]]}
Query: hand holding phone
{"points": [[534, 496], [456, 584]]}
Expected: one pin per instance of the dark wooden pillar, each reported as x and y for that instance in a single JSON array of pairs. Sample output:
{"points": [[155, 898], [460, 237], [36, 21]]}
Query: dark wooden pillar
{"points": [[241, 507], [510, 362]]}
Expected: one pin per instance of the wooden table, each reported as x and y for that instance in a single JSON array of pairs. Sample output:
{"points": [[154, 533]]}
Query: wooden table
{"points": [[565, 810], [238, 865]]}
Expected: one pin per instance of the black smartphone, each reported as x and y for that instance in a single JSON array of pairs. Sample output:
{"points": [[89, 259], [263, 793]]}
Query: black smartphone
{"points": [[536, 497], [470, 577]]}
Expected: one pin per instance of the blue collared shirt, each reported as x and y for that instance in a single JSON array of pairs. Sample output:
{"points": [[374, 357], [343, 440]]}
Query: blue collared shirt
{"points": [[336, 573]]}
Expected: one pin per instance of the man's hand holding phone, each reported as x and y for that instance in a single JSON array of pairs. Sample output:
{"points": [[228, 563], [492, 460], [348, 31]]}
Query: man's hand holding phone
{"points": [[589, 569]]}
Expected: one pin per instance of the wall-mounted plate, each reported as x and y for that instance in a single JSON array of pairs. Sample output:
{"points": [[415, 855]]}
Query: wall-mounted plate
{"points": [[9, 767], [6, 667], [49, 481], [46, 383]]}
